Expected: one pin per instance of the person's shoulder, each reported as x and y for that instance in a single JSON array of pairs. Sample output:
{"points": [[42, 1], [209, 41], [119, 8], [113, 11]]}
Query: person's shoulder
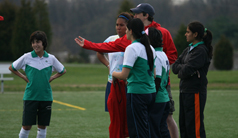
{"points": [[51, 55], [28, 54], [134, 46], [114, 36], [202, 47], [111, 38], [162, 29], [162, 57], [160, 53]]}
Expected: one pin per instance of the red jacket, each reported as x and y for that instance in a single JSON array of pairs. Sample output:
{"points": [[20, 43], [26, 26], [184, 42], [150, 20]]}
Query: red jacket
{"points": [[120, 44], [168, 47], [116, 104]]}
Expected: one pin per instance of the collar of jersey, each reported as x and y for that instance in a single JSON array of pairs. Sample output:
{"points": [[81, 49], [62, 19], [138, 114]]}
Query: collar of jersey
{"points": [[191, 44], [137, 40], [33, 54], [159, 49]]}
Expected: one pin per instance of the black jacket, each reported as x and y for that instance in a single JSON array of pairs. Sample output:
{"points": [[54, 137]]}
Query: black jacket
{"points": [[192, 67]]}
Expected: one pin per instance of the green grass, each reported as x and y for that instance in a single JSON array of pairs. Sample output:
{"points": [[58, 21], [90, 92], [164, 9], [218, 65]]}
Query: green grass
{"points": [[221, 114], [83, 85], [217, 80], [93, 77], [67, 122]]}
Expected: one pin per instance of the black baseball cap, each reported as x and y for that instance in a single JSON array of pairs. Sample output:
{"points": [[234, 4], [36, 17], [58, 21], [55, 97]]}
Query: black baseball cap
{"points": [[144, 7]]}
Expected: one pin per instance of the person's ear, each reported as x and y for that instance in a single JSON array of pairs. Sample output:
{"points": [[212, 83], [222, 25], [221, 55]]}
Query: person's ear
{"points": [[195, 34], [146, 16], [130, 31]]}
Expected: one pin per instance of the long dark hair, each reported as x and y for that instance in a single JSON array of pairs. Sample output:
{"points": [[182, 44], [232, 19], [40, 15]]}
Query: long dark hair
{"points": [[137, 27], [155, 37], [203, 35]]}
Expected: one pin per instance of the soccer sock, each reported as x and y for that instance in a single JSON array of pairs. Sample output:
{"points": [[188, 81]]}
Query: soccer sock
{"points": [[24, 133], [41, 133]]}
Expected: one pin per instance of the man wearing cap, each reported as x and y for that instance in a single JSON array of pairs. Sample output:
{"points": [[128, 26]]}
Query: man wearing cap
{"points": [[145, 12]]}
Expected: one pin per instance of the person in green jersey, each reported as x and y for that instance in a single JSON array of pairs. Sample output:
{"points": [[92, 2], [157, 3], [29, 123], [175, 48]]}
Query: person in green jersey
{"points": [[160, 110], [138, 70], [37, 100]]}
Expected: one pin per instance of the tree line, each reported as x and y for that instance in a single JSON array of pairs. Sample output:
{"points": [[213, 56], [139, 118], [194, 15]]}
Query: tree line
{"points": [[19, 22], [95, 20]]}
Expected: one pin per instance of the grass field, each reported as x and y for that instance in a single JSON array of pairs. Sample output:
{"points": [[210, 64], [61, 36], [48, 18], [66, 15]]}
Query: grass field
{"points": [[90, 77], [78, 110]]}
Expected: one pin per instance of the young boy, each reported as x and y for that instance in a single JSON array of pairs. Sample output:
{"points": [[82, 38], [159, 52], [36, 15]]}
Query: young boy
{"points": [[38, 66]]}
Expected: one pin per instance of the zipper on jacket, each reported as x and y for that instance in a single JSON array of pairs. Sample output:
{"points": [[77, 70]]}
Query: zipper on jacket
{"points": [[198, 74]]}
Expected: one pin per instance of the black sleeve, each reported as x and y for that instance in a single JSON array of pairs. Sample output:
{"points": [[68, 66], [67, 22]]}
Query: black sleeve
{"points": [[176, 67], [196, 61], [177, 64]]}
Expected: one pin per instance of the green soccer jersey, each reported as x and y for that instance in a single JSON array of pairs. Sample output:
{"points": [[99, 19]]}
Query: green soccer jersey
{"points": [[162, 72], [140, 79], [38, 71]]}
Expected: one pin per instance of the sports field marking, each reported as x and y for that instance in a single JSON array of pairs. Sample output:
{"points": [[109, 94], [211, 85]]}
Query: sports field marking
{"points": [[69, 105], [20, 110]]}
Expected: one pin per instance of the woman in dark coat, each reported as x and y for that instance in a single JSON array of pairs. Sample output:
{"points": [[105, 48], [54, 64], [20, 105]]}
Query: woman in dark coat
{"points": [[192, 67]]}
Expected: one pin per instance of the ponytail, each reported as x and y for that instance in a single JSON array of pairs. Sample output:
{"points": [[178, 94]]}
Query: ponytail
{"points": [[145, 41], [207, 39], [137, 27]]}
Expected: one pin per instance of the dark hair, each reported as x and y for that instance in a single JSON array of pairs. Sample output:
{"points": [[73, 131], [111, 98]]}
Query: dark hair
{"points": [[150, 18], [203, 35], [137, 27], [155, 37], [39, 35], [126, 16]]}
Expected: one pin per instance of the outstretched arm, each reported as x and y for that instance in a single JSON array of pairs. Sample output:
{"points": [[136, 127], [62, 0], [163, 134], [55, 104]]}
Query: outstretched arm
{"points": [[119, 45]]}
